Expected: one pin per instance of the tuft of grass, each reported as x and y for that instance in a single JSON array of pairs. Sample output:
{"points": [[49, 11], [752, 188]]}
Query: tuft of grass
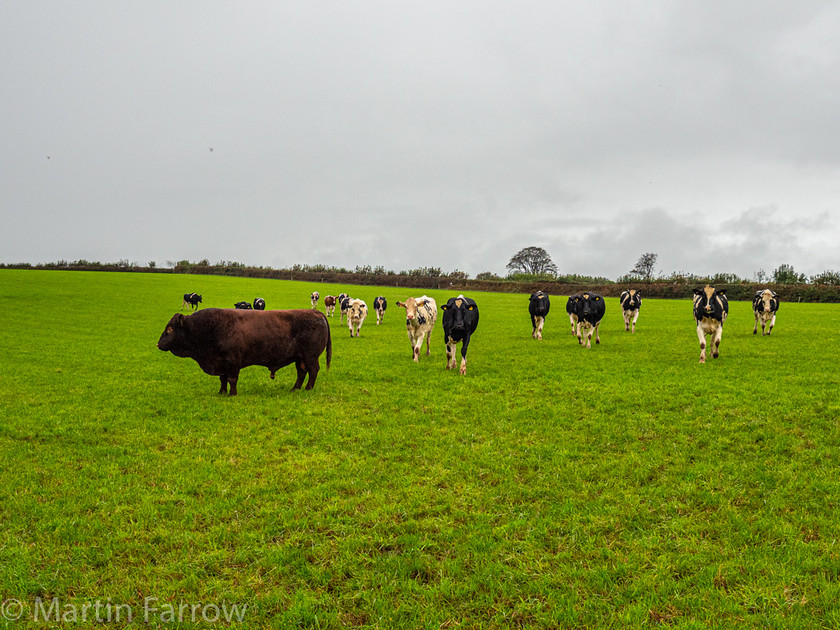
{"points": [[552, 486]]}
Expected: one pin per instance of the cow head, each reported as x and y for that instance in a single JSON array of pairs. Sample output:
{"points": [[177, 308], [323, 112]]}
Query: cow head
{"points": [[173, 335], [631, 299], [710, 302], [456, 310], [357, 309], [766, 301], [412, 312]]}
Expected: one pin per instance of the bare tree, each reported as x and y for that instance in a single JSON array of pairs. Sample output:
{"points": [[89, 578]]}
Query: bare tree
{"points": [[645, 266], [532, 260]]}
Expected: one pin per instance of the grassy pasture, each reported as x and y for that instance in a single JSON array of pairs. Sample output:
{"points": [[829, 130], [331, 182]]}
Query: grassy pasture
{"points": [[553, 486]]}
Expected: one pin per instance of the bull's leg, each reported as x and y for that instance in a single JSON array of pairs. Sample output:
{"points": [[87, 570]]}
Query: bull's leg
{"points": [[232, 378], [223, 388], [300, 366], [314, 366], [702, 337]]}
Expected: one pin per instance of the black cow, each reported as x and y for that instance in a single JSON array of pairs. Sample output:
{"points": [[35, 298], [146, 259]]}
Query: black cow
{"points": [[631, 303], [243, 306], [223, 341], [589, 309], [259, 304], [711, 308], [460, 319], [193, 299], [765, 305], [379, 305], [571, 310], [538, 307]]}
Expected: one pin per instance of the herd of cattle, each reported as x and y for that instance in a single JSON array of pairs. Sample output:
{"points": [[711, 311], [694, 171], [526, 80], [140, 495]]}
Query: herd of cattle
{"points": [[223, 341]]}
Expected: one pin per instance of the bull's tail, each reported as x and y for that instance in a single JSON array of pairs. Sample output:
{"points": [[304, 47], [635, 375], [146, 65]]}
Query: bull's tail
{"points": [[329, 340]]}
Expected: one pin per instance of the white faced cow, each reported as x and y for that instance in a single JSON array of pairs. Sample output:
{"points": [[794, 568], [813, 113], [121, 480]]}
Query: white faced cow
{"points": [[711, 307], [356, 314], [313, 299], [420, 318], [631, 304], [765, 305]]}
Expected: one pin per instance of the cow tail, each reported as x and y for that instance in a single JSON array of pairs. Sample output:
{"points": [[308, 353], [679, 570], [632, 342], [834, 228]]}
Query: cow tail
{"points": [[329, 341]]}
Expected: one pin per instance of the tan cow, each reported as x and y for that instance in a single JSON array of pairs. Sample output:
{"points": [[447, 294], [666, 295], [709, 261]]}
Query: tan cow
{"points": [[329, 304], [420, 318], [356, 314]]}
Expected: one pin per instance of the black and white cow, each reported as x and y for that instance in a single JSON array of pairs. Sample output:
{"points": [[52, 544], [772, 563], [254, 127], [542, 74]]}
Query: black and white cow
{"points": [[765, 305], [590, 309], [344, 305], [538, 307], [193, 299], [379, 305], [631, 304], [313, 299], [259, 304], [571, 310], [243, 306], [460, 319], [711, 308]]}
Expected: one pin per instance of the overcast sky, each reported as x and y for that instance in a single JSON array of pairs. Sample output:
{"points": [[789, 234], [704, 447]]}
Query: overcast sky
{"points": [[407, 134]]}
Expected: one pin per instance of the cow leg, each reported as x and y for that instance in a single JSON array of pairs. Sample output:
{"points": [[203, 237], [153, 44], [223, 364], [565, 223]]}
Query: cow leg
{"points": [[314, 367], [578, 333], [597, 332], [772, 323], [300, 366], [702, 337], [755, 328], [634, 322], [428, 342], [223, 388], [626, 321], [416, 346], [450, 354], [718, 334], [232, 378], [464, 347]]}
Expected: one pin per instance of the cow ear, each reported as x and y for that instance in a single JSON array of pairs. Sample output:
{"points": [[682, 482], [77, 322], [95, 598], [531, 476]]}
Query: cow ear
{"points": [[721, 292], [444, 306], [698, 291]]}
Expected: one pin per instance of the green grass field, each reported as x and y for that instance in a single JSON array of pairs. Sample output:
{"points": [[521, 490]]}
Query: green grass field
{"points": [[552, 486]]}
